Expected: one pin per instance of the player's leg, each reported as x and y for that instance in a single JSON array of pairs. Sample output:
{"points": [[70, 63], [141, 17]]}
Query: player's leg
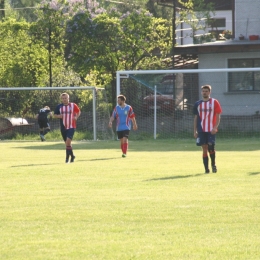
{"points": [[205, 157], [41, 127], [120, 137], [212, 152], [42, 134], [64, 137], [69, 151], [125, 142], [68, 141], [202, 141], [47, 128], [121, 144]]}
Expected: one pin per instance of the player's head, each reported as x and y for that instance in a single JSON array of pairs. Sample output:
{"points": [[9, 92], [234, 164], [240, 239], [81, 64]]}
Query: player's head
{"points": [[121, 99], [65, 98], [46, 107], [205, 91]]}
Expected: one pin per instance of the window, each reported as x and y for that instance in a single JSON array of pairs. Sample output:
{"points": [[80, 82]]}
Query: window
{"points": [[244, 81], [216, 26], [217, 22]]}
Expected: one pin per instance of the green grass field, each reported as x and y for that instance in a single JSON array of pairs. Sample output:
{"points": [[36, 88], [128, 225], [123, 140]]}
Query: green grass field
{"points": [[155, 204]]}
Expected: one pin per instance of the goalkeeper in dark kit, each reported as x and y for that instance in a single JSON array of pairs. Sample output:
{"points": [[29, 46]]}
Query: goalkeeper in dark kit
{"points": [[43, 121]]}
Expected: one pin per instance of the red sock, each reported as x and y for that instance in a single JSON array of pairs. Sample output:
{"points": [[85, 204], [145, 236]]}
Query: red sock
{"points": [[125, 147]]}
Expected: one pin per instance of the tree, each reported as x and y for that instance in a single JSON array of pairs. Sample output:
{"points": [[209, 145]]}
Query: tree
{"points": [[49, 29], [108, 42], [2, 11], [23, 64], [20, 56]]}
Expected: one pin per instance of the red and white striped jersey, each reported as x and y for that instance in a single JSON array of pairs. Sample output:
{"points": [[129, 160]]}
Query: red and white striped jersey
{"points": [[68, 113], [206, 114]]}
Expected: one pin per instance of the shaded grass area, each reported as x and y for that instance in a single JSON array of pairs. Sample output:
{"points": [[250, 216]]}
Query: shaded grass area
{"points": [[53, 135], [155, 204]]}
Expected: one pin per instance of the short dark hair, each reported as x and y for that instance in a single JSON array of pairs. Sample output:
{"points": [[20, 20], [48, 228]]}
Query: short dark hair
{"points": [[122, 97], [207, 87]]}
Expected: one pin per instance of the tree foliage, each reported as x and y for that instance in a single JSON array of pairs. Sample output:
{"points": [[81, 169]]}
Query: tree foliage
{"points": [[83, 41], [110, 41], [23, 62]]}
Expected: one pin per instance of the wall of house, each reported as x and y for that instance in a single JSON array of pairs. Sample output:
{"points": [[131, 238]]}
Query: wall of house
{"points": [[242, 103], [247, 17]]}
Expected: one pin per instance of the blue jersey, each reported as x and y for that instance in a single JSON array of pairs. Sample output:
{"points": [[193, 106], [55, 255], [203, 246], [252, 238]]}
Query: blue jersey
{"points": [[123, 116]]}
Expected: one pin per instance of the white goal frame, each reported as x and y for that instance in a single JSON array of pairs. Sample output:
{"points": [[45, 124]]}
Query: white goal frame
{"points": [[64, 89], [125, 74]]}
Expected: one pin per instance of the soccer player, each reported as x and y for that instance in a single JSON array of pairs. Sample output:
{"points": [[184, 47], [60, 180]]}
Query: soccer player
{"points": [[43, 121], [124, 115], [68, 113], [207, 118]]}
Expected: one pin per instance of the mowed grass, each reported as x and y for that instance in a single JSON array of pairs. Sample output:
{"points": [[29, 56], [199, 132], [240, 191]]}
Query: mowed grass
{"points": [[155, 204]]}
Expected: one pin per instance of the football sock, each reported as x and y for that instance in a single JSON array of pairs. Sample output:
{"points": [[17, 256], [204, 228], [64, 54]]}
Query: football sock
{"points": [[68, 151], [125, 147], [122, 148], [41, 132], [212, 157], [206, 161]]}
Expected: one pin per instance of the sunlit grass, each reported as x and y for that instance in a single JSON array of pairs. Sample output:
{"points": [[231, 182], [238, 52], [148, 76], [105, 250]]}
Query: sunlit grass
{"points": [[155, 204]]}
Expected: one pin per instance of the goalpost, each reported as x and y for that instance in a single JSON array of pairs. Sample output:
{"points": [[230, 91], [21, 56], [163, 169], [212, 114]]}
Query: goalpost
{"points": [[163, 100], [18, 107]]}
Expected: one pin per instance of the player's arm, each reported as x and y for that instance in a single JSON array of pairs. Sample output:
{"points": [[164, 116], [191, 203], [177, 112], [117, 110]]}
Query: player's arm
{"points": [[57, 116], [111, 121], [195, 126], [215, 128], [218, 110], [112, 118], [77, 112], [57, 113], [195, 122], [134, 123], [36, 117]]}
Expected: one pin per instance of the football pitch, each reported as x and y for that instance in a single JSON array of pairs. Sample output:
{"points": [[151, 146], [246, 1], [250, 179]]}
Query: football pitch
{"points": [[155, 204]]}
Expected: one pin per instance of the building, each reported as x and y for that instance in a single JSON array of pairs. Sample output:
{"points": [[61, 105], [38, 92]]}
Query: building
{"points": [[237, 91], [221, 20]]}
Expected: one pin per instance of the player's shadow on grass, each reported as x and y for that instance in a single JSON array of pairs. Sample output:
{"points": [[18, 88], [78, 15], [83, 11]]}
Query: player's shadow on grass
{"points": [[45, 147], [253, 173], [103, 159], [35, 164], [174, 177], [97, 159]]}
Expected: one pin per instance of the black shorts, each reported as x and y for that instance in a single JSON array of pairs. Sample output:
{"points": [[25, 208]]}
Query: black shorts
{"points": [[43, 123], [67, 133], [205, 138], [124, 133]]}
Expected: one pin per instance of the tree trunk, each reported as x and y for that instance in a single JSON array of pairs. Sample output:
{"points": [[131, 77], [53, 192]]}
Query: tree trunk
{"points": [[2, 12]]}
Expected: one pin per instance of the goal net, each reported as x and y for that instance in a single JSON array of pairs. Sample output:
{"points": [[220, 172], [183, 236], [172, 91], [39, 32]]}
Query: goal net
{"points": [[163, 100], [19, 106]]}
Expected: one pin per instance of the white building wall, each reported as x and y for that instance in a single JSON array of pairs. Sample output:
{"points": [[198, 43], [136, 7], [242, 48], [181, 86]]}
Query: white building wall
{"points": [[242, 103], [247, 16]]}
